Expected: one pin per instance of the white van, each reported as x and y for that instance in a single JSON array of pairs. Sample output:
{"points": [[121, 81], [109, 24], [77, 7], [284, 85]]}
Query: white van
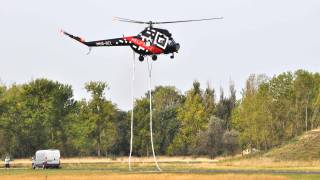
{"points": [[46, 158]]}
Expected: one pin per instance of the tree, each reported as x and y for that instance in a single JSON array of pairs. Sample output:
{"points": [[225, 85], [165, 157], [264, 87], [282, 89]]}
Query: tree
{"points": [[244, 116], [225, 106], [101, 115], [166, 102], [141, 140], [273, 111], [230, 141], [120, 144], [47, 106], [210, 140], [193, 119], [34, 116], [209, 100], [305, 90]]}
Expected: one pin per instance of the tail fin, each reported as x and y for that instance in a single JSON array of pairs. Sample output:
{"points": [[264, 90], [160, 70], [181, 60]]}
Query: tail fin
{"points": [[79, 39]]}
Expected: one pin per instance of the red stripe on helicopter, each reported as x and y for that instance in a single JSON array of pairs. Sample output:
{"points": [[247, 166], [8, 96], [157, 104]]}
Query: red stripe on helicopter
{"points": [[138, 42]]}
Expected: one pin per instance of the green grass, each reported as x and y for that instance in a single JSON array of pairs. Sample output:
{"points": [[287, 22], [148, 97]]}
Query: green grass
{"points": [[50, 172], [166, 167], [304, 177], [172, 167]]}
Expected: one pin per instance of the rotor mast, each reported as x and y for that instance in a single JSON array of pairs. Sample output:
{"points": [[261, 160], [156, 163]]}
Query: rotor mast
{"points": [[150, 24]]}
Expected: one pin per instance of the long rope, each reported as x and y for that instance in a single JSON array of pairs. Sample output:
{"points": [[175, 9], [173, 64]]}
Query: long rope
{"points": [[132, 95], [150, 99]]}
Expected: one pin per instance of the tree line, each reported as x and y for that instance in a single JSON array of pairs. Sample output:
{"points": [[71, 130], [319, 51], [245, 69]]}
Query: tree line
{"points": [[43, 114], [274, 110]]}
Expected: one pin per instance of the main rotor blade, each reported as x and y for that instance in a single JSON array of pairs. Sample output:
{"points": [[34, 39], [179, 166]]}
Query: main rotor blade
{"points": [[162, 22], [129, 20], [183, 21]]}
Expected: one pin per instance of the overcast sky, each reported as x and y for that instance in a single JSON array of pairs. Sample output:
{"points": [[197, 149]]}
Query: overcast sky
{"points": [[270, 37]]}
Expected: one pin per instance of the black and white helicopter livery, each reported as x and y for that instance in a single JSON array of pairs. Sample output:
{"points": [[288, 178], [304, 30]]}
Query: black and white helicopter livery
{"points": [[150, 42]]}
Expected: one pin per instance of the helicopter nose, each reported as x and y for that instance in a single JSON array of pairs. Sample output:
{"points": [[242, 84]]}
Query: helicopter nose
{"points": [[177, 47]]}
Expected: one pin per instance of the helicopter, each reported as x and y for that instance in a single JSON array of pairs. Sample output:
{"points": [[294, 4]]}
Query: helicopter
{"points": [[150, 42]]}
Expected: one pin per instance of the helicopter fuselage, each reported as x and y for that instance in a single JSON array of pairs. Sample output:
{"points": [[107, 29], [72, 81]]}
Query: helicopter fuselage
{"points": [[153, 41], [150, 42]]}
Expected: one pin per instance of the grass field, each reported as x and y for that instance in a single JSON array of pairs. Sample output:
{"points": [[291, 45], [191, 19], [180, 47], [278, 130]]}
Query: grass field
{"points": [[140, 177], [99, 175], [174, 168], [181, 163]]}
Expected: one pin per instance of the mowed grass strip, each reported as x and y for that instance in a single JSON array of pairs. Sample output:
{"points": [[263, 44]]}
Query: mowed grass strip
{"points": [[244, 164], [143, 177]]}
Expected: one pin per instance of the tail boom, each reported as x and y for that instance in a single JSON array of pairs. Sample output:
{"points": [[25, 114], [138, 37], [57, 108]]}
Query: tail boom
{"points": [[106, 42]]}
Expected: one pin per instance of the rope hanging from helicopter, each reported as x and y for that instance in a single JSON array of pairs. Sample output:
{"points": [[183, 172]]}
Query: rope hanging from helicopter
{"points": [[132, 106], [150, 108]]}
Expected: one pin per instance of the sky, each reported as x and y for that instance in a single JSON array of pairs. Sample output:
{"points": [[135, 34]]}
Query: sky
{"points": [[255, 37]]}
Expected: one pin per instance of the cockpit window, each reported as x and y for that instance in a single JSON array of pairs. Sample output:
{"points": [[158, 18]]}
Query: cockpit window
{"points": [[171, 41]]}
